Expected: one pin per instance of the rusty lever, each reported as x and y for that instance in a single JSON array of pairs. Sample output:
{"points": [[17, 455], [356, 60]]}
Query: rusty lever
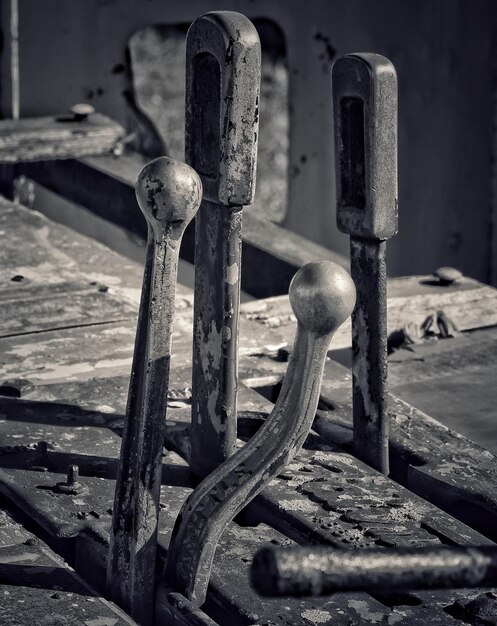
{"points": [[322, 296], [169, 194]]}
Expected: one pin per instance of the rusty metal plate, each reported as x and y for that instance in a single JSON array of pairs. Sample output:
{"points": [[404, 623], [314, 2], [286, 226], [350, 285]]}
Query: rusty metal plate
{"points": [[427, 457], [90, 508], [328, 497], [52, 447], [69, 354], [11, 533], [37, 586]]}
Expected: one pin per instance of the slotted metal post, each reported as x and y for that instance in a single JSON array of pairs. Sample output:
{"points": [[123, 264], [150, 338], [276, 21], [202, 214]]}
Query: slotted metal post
{"points": [[222, 116], [365, 119]]}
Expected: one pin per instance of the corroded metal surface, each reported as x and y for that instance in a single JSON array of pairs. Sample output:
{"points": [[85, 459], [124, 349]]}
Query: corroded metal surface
{"points": [[326, 517], [169, 195], [322, 296], [369, 353], [430, 459], [365, 117], [36, 586], [222, 120], [303, 571]]}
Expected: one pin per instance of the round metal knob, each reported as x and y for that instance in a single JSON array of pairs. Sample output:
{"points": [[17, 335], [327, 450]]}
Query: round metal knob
{"points": [[169, 194], [322, 295]]}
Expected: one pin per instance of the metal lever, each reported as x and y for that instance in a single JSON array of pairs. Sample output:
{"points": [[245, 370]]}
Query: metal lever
{"points": [[222, 117], [315, 571], [322, 296], [169, 195], [365, 118]]}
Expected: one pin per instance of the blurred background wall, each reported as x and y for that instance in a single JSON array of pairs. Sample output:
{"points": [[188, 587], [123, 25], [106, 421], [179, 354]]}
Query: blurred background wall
{"points": [[444, 52]]}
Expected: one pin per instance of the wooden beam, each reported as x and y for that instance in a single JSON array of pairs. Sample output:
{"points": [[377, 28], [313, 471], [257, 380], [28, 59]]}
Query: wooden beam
{"points": [[64, 136], [105, 186]]}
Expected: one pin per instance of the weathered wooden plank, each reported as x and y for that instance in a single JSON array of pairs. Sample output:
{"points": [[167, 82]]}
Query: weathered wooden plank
{"points": [[469, 303], [105, 186], [60, 137], [79, 305]]}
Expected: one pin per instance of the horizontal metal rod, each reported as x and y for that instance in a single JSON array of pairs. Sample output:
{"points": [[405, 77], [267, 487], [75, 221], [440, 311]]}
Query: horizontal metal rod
{"points": [[303, 571]]}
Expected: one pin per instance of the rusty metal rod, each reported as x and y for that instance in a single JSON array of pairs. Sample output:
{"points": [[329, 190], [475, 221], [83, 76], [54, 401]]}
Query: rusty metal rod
{"points": [[222, 115], [322, 296], [315, 571], [365, 118], [169, 195]]}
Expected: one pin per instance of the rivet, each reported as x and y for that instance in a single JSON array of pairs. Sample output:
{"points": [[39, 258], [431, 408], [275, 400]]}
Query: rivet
{"points": [[447, 275], [81, 111]]}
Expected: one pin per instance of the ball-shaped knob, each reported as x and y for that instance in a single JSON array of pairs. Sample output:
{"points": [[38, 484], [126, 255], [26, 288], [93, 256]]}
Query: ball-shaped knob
{"points": [[169, 194], [322, 295]]}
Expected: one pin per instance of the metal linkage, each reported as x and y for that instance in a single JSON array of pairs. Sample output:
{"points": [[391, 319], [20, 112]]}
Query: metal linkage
{"points": [[322, 296], [365, 118], [169, 195], [222, 116], [303, 571]]}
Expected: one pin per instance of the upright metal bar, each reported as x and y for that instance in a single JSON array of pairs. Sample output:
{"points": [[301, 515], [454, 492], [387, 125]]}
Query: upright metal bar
{"points": [[365, 119], [169, 195], [222, 116], [14, 58]]}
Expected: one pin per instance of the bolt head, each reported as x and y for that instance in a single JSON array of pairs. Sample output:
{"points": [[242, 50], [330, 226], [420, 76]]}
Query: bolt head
{"points": [[82, 110], [447, 275]]}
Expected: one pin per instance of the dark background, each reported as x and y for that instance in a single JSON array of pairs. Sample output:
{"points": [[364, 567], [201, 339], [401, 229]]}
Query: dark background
{"points": [[444, 52]]}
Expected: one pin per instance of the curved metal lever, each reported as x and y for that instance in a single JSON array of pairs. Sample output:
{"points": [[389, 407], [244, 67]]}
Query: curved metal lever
{"points": [[169, 195], [222, 120], [322, 296], [302, 571]]}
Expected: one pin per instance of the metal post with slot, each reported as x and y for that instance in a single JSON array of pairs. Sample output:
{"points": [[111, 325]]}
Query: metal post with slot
{"points": [[222, 115], [365, 121]]}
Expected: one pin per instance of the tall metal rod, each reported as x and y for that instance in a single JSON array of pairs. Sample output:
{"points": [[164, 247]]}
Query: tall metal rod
{"points": [[222, 116], [169, 195], [14, 58], [365, 118]]}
